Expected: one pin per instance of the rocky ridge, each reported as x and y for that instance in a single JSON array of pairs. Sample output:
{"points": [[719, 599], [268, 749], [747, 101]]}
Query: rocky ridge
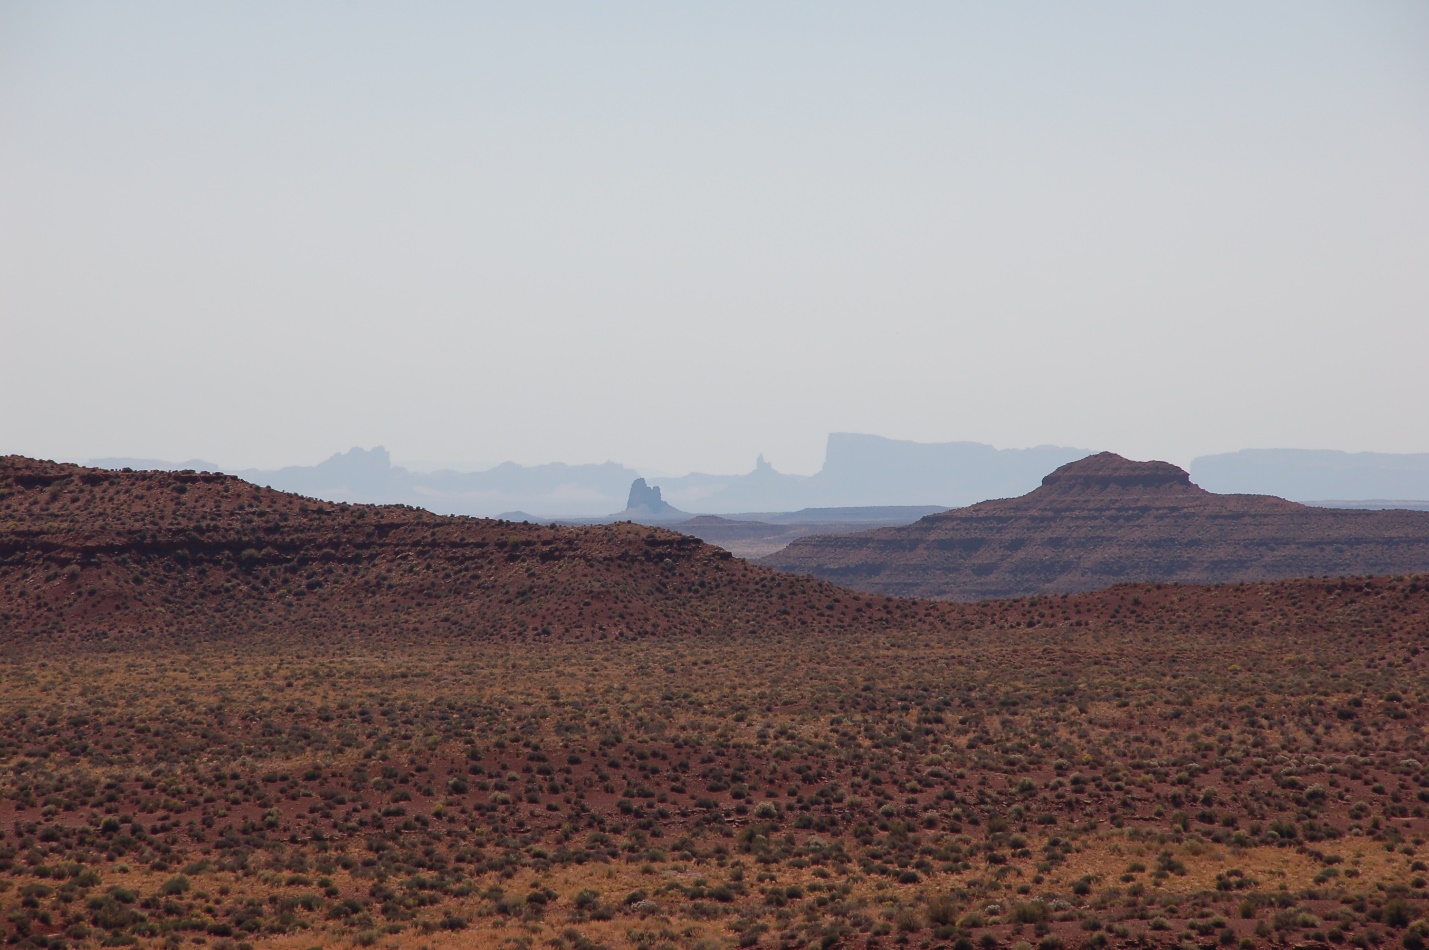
{"points": [[95, 554]]}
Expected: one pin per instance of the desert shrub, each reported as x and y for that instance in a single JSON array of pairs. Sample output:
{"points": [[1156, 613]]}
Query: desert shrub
{"points": [[1028, 912], [942, 911], [906, 921], [1397, 913]]}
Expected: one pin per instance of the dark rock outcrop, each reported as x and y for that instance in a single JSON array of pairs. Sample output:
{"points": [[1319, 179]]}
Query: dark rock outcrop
{"points": [[1105, 520]]}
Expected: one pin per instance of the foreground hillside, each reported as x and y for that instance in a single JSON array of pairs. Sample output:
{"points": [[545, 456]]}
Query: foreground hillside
{"points": [[90, 553], [219, 753], [1105, 520]]}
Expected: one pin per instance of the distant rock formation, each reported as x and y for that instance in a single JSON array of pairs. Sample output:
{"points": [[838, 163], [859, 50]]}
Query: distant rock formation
{"points": [[1316, 475], [644, 497], [645, 506], [859, 471], [869, 470], [368, 476], [1104, 520]]}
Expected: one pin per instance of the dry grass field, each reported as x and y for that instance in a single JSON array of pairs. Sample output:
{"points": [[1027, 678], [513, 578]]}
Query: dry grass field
{"points": [[616, 737]]}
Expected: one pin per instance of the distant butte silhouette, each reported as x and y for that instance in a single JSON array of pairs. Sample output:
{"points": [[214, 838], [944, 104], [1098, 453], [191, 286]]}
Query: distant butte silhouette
{"points": [[1104, 520]]}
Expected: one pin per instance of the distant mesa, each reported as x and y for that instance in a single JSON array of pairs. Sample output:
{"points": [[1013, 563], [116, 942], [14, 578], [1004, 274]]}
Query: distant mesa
{"points": [[1358, 479], [1104, 520], [870, 471], [507, 491], [753, 534], [858, 471]]}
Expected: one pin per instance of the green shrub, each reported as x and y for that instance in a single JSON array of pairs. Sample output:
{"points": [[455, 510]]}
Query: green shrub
{"points": [[1398, 913]]}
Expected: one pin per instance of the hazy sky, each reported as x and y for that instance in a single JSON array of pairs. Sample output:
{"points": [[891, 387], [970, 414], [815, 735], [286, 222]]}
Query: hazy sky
{"points": [[676, 235]]}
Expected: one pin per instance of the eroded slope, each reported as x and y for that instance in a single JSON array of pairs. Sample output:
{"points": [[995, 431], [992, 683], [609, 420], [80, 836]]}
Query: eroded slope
{"points": [[1106, 520]]}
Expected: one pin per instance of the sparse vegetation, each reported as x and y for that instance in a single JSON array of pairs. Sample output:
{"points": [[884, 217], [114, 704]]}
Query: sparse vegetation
{"points": [[404, 758]]}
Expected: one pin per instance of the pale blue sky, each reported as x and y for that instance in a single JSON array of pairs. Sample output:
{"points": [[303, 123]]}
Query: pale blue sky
{"points": [[676, 235]]}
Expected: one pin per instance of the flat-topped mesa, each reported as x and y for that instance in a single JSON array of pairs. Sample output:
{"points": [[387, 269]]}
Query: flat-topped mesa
{"points": [[1105, 520], [1109, 470]]}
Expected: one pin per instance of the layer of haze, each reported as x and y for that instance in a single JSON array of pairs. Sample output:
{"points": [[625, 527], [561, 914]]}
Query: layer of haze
{"points": [[676, 235]]}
